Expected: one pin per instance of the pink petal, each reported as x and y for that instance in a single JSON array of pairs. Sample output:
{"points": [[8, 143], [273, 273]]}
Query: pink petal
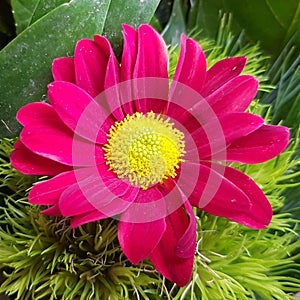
{"points": [[96, 191], [149, 206], [260, 213], [235, 95], [221, 131], [129, 52], [88, 217], [112, 79], [152, 55], [139, 239], [261, 145], [127, 65], [185, 246], [213, 192], [222, 72], [63, 69], [237, 125], [151, 61], [114, 208], [52, 211], [79, 111], [51, 139], [48, 192], [191, 66], [90, 66], [29, 163], [169, 257], [32, 113]]}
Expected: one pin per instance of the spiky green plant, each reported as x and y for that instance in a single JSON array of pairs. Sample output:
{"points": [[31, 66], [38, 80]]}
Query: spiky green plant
{"points": [[43, 258]]}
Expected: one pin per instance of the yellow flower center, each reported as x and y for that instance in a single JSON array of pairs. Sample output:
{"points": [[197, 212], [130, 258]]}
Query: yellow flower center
{"points": [[145, 148]]}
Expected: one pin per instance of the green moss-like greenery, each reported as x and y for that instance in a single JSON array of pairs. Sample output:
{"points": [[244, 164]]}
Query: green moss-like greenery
{"points": [[43, 258]]}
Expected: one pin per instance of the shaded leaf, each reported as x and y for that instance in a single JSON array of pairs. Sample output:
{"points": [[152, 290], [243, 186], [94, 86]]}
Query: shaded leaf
{"points": [[284, 75], [26, 12], [25, 64], [45, 6], [176, 25], [273, 22], [23, 11]]}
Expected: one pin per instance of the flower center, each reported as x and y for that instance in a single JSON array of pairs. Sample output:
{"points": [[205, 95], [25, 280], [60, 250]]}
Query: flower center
{"points": [[144, 148]]}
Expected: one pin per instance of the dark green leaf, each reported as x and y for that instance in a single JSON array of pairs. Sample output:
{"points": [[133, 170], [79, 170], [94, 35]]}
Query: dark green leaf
{"points": [[284, 75], [26, 12], [272, 22], [25, 64], [23, 11], [175, 26], [45, 6], [132, 12]]}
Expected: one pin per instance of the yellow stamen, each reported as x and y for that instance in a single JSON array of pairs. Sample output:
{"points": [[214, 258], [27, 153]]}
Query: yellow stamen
{"points": [[145, 148]]}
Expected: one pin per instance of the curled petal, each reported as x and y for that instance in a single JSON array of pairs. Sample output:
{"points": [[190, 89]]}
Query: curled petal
{"points": [[222, 72], [261, 145], [169, 257], [52, 211], [29, 163], [63, 69], [88, 217]]}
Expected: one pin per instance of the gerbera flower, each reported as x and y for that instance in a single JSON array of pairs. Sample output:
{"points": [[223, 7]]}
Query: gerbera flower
{"points": [[120, 143]]}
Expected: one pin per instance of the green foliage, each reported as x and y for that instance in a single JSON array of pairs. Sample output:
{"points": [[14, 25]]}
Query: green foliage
{"points": [[43, 258], [271, 22], [26, 12], [25, 64], [284, 75]]}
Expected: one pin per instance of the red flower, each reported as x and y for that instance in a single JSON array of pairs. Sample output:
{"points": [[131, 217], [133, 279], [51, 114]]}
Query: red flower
{"points": [[119, 143]]}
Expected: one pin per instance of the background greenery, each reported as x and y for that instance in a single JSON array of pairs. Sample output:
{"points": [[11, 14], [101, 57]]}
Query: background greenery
{"points": [[34, 32]]}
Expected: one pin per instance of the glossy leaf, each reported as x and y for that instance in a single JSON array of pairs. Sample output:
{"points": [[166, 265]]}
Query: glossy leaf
{"points": [[26, 12], [23, 11], [132, 12], [25, 64]]}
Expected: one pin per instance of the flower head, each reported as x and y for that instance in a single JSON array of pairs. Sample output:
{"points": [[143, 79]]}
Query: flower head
{"points": [[120, 143]]}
